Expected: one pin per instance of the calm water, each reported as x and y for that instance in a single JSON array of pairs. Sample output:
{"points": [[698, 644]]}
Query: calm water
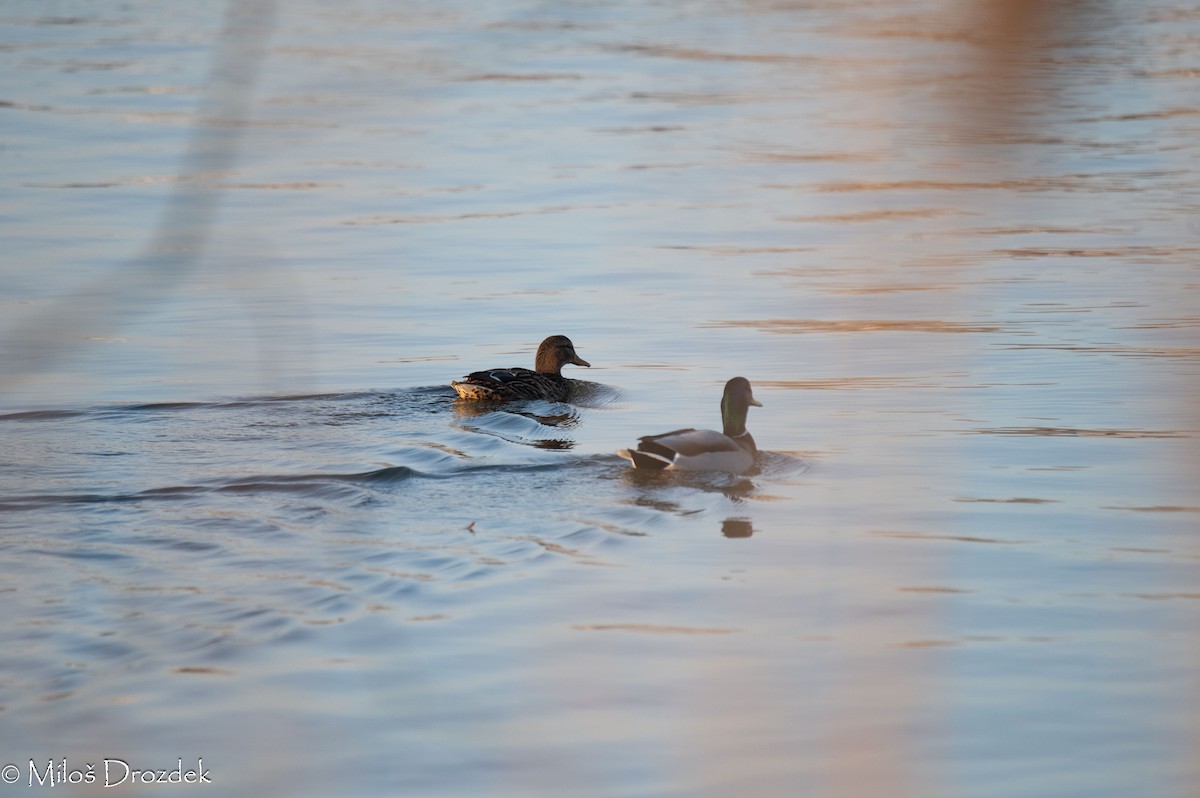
{"points": [[955, 247]]}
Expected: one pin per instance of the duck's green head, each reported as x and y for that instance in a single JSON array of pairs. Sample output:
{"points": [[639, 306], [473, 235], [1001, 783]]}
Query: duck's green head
{"points": [[556, 352], [735, 404]]}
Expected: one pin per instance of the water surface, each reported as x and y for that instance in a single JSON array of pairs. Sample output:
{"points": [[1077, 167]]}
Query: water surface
{"points": [[953, 246]]}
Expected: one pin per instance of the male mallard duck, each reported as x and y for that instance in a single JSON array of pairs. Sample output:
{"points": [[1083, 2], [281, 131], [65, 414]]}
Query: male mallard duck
{"points": [[545, 381], [732, 450]]}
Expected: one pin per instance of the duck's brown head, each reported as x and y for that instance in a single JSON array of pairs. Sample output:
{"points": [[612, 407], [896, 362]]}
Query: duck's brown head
{"points": [[556, 352]]}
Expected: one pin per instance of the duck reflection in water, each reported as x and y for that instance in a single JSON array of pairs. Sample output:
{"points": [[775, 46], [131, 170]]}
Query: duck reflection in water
{"points": [[651, 486], [520, 422], [733, 487], [657, 490], [737, 528]]}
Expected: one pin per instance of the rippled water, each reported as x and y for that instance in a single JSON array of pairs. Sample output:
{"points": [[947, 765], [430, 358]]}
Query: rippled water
{"points": [[954, 246]]}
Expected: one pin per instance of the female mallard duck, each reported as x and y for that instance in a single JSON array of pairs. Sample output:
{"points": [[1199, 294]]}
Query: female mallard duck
{"points": [[732, 450], [545, 381]]}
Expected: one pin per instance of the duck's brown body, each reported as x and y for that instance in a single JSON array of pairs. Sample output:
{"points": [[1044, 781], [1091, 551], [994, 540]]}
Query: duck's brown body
{"points": [[503, 385], [544, 381]]}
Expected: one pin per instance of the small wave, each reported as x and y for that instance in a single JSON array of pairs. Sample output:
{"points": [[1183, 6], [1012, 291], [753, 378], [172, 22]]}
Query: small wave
{"points": [[308, 484], [42, 415], [513, 467], [250, 401], [304, 483], [587, 395], [1074, 432], [386, 476], [655, 629], [954, 538], [55, 414], [288, 483], [45, 500], [82, 554], [801, 326]]}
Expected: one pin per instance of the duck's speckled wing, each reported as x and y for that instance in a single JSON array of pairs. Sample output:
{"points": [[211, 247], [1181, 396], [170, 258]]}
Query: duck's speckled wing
{"points": [[499, 376]]}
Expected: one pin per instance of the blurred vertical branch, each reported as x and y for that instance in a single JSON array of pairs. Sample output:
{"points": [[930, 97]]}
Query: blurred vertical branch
{"points": [[217, 133], [104, 304]]}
